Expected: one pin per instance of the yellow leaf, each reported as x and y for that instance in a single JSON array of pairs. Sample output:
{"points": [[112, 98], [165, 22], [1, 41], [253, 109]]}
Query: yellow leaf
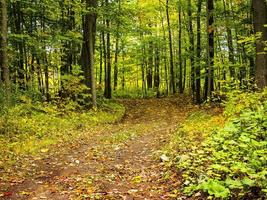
{"points": [[91, 190], [137, 179], [44, 150], [25, 193]]}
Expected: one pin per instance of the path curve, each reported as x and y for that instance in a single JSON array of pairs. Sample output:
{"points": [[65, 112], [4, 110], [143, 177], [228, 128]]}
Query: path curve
{"points": [[118, 162]]}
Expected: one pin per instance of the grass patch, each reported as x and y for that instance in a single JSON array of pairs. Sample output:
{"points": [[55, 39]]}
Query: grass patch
{"points": [[28, 129], [134, 93], [192, 132]]}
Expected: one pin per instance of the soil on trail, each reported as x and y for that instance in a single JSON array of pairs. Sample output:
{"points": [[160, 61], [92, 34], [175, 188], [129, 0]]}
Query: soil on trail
{"points": [[120, 161]]}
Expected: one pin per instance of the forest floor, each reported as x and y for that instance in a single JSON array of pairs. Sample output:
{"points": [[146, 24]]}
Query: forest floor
{"points": [[115, 161]]}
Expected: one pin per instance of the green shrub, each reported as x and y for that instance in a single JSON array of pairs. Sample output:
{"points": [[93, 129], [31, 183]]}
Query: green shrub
{"points": [[231, 162]]}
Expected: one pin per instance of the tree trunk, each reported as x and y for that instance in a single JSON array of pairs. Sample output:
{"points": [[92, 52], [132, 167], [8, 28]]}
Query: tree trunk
{"points": [[3, 48], [149, 73], [108, 89], [229, 41], [116, 50], [143, 66], [104, 55], [260, 19], [87, 58], [191, 48], [198, 66], [116, 63], [18, 26], [209, 82], [156, 71], [46, 72], [172, 75], [181, 89], [165, 56], [68, 24], [100, 60]]}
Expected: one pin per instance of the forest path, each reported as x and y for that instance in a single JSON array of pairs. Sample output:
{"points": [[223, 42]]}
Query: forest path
{"points": [[117, 161]]}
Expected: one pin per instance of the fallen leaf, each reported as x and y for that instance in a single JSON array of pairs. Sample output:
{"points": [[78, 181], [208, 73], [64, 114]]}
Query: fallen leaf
{"points": [[25, 193], [44, 150], [132, 191], [164, 158], [91, 190], [7, 194], [137, 179]]}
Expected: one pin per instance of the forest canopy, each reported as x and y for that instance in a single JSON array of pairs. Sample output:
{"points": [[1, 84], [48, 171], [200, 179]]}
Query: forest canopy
{"points": [[76, 50]]}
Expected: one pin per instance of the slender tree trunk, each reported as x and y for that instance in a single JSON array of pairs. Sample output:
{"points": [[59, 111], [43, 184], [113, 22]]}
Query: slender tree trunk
{"points": [[181, 88], [123, 68], [191, 48], [92, 36], [123, 75], [198, 65], [40, 76], [46, 72], [108, 89], [143, 50], [149, 73], [185, 73], [68, 24], [165, 57], [116, 63], [172, 75], [156, 71], [116, 50], [229, 41], [260, 20], [18, 23], [100, 60], [209, 82], [3, 48], [104, 55]]}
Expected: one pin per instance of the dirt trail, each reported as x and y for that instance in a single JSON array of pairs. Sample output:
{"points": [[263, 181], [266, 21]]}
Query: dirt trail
{"points": [[119, 162]]}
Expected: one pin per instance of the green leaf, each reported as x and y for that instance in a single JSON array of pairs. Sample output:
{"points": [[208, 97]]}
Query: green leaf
{"points": [[215, 188], [233, 184], [248, 182]]}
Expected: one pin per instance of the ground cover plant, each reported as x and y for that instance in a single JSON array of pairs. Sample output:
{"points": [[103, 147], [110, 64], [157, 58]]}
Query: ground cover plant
{"points": [[225, 155]]}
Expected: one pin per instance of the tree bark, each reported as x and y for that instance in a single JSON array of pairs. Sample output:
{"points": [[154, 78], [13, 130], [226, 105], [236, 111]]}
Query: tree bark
{"points": [[156, 69], [191, 48], [116, 49], [198, 65], [149, 73], [172, 75], [209, 82], [229, 41], [18, 21], [3, 48], [181, 88], [108, 90], [87, 58], [260, 19]]}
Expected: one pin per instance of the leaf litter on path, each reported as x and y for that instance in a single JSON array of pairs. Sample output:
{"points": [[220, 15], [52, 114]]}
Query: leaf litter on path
{"points": [[118, 162]]}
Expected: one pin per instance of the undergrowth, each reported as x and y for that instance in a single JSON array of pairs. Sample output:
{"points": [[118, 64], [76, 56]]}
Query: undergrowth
{"points": [[224, 160], [134, 93], [31, 128]]}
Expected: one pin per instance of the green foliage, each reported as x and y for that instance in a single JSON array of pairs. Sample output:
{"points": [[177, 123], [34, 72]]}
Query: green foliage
{"points": [[134, 93], [231, 161], [215, 188]]}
